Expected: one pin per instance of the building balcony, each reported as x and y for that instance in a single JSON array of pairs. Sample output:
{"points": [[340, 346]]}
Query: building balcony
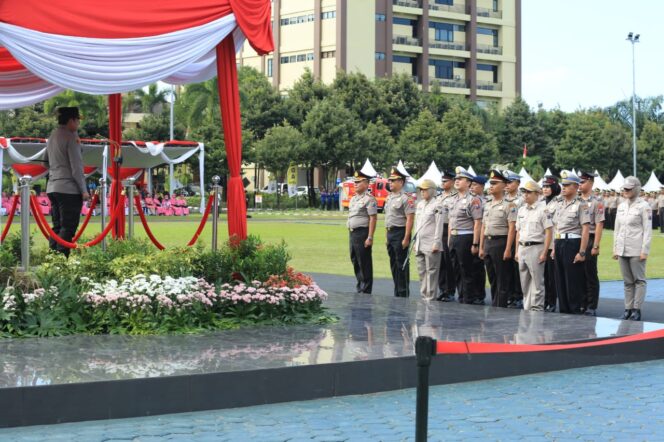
{"points": [[489, 86], [408, 41], [490, 49], [458, 83], [458, 9], [451, 45], [407, 3], [486, 12]]}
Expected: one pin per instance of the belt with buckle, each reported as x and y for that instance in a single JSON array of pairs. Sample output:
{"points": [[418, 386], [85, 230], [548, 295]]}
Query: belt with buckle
{"points": [[455, 232], [568, 236], [496, 236], [529, 243], [352, 229], [395, 228]]}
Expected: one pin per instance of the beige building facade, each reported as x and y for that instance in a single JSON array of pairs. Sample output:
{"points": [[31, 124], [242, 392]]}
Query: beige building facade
{"points": [[470, 48]]}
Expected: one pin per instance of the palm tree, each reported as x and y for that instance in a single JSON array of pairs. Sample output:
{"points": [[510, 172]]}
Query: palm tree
{"points": [[94, 108], [151, 100], [201, 103]]}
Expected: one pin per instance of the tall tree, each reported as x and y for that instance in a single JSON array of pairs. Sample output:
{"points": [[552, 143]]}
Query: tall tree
{"points": [[359, 95], [261, 106], [650, 150], [305, 93], [422, 142], [519, 128], [403, 101], [466, 141], [378, 145]]}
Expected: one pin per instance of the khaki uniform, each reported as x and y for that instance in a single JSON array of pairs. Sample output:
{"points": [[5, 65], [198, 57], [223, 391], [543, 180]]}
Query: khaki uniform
{"points": [[448, 276], [532, 223], [570, 276], [360, 209], [660, 211], [516, 292], [463, 213], [550, 293], [397, 208], [632, 238], [429, 228], [496, 221]]}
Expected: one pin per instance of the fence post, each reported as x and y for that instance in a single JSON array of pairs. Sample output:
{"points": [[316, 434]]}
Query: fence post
{"points": [[425, 348], [129, 183], [102, 184], [24, 183], [215, 210]]}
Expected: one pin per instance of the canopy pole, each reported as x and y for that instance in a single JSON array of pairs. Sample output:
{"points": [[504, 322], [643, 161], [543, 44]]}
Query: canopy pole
{"points": [[115, 136]]}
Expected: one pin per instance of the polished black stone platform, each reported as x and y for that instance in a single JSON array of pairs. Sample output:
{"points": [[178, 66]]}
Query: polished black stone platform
{"points": [[369, 349]]}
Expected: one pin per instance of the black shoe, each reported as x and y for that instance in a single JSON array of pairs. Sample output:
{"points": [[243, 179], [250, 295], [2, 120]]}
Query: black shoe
{"points": [[447, 298], [550, 308], [510, 303], [517, 304], [590, 312], [636, 315], [477, 302], [627, 314]]}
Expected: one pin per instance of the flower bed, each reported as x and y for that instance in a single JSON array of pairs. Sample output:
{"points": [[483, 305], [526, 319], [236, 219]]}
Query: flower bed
{"points": [[80, 295]]}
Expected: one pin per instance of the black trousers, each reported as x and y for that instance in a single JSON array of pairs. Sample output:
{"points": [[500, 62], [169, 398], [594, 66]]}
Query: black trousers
{"points": [[612, 218], [65, 214], [550, 293], [570, 277], [448, 277], [398, 255], [655, 220], [463, 258], [499, 271], [479, 278], [592, 279], [516, 293], [360, 256], [661, 220]]}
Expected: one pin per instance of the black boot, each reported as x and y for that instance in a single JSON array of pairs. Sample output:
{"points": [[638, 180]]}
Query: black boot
{"points": [[636, 315], [627, 314]]}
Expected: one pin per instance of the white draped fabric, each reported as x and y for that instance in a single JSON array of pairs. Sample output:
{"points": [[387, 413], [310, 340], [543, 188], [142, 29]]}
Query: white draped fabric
{"points": [[107, 66]]}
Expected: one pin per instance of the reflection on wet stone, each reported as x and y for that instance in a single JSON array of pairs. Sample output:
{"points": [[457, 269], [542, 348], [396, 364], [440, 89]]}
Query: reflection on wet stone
{"points": [[370, 327]]}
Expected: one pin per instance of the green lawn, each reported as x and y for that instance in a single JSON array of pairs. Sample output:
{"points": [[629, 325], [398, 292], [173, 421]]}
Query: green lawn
{"points": [[318, 241]]}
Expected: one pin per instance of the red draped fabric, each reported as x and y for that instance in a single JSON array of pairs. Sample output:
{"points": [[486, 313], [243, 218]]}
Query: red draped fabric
{"points": [[9, 63], [229, 101], [115, 136], [34, 170]]}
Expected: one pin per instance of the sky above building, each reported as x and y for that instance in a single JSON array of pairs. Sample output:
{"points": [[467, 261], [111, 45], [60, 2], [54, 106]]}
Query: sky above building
{"points": [[575, 54]]}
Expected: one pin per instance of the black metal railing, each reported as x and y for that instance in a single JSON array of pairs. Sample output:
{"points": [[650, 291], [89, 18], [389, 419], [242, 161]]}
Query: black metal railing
{"points": [[490, 49], [403, 40], [452, 45]]}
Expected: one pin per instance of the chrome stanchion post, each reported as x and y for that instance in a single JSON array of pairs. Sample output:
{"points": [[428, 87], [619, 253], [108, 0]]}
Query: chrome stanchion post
{"points": [[25, 182], [129, 184], [102, 184], [215, 210]]}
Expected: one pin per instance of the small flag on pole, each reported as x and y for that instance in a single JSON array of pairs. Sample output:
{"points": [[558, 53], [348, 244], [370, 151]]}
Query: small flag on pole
{"points": [[525, 151]]}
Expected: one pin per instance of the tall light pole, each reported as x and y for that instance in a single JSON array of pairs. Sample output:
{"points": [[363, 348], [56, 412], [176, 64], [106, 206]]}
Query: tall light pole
{"points": [[633, 39]]}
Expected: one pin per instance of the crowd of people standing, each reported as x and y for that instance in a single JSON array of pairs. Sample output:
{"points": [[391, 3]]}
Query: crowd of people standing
{"points": [[538, 244]]}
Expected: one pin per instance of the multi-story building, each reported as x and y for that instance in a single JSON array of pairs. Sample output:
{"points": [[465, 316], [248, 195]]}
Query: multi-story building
{"points": [[470, 48]]}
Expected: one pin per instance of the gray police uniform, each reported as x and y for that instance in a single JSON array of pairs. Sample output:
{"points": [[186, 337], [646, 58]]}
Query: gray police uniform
{"points": [[464, 211], [596, 209], [361, 207], [570, 276], [497, 218], [531, 224], [448, 276], [516, 293], [397, 207], [429, 228], [550, 292]]}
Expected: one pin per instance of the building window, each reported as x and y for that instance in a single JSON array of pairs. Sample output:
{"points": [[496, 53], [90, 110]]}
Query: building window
{"points": [[283, 60], [297, 20], [328, 15], [301, 57], [380, 55], [402, 59], [445, 2], [495, 5], [381, 17], [310, 56], [444, 68], [328, 54], [403, 21], [269, 67], [443, 31], [491, 68], [491, 32], [459, 28]]}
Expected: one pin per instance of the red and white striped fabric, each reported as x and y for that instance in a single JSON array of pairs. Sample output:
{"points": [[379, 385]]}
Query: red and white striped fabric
{"points": [[101, 47]]}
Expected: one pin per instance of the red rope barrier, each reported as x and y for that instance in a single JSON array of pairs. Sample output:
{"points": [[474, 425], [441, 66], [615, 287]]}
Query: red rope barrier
{"points": [[93, 204], [148, 231], [10, 218], [203, 221], [44, 227]]}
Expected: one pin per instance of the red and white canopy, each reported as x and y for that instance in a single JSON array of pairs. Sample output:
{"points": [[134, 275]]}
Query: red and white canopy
{"points": [[101, 47]]}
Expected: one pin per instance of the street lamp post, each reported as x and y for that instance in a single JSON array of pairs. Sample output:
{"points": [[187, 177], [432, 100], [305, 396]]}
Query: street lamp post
{"points": [[633, 39]]}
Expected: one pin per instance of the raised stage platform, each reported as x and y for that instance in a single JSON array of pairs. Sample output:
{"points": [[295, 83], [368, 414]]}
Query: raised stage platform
{"points": [[370, 349]]}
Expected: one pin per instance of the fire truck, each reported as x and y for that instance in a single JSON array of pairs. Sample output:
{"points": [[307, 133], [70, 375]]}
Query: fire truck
{"points": [[378, 187]]}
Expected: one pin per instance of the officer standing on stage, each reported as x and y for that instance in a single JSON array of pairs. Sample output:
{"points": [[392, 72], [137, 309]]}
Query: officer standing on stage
{"points": [[533, 227], [399, 214], [428, 239], [362, 214], [448, 278], [465, 226], [596, 209], [477, 189], [497, 239], [512, 196], [572, 221], [551, 192]]}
